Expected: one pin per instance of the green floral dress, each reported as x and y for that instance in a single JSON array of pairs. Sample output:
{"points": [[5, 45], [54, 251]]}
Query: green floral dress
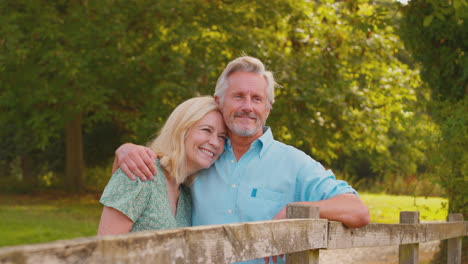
{"points": [[146, 203]]}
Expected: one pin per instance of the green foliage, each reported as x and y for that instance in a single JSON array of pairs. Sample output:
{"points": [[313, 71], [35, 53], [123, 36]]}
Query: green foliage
{"points": [[437, 35], [449, 157], [97, 177], [349, 96], [440, 46]]}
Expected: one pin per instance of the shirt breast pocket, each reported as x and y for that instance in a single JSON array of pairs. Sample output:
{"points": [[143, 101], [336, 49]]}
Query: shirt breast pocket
{"points": [[261, 204]]}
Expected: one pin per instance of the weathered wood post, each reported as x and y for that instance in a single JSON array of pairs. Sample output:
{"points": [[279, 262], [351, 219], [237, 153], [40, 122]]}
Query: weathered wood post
{"points": [[409, 253], [454, 245], [302, 211]]}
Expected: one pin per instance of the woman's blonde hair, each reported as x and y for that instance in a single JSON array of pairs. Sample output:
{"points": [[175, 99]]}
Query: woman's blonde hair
{"points": [[170, 142]]}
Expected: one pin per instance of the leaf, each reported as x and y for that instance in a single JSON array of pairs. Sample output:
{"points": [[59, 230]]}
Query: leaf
{"points": [[428, 20]]}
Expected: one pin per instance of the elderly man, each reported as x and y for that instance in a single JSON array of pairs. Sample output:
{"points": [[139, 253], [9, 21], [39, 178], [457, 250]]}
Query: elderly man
{"points": [[257, 176]]}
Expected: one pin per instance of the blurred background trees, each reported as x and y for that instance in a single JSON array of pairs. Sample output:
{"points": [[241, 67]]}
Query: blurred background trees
{"points": [[373, 89], [436, 34]]}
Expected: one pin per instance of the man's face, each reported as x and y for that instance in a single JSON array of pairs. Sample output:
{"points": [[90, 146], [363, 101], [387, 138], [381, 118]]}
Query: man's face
{"points": [[245, 106]]}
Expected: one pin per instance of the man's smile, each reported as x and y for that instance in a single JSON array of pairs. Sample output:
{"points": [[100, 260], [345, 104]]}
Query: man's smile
{"points": [[245, 115]]}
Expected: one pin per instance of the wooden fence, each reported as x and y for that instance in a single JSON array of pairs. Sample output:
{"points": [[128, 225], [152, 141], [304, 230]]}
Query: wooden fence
{"points": [[301, 239]]}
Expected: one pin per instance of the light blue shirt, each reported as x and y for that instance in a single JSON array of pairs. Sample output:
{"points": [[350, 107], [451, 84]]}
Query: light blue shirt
{"points": [[257, 186]]}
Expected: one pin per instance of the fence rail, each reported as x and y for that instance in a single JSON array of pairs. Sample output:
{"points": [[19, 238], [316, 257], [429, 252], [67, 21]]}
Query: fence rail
{"points": [[301, 238]]}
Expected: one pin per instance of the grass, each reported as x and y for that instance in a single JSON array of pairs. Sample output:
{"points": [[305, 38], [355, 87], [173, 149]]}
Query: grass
{"points": [[386, 208], [28, 219], [36, 219]]}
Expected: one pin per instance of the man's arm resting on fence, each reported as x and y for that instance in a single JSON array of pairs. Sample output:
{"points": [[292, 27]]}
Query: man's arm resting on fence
{"points": [[346, 208]]}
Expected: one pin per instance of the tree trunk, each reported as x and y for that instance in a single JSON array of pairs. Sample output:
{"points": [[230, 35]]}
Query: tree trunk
{"points": [[29, 175], [74, 169]]}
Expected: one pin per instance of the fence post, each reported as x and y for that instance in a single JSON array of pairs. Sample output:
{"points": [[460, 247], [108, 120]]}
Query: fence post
{"points": [[302, 211], [409, 253], [454, 245]]}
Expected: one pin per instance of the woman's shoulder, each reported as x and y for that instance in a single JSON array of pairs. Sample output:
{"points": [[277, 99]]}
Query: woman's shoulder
{"points": [[157, 186]]}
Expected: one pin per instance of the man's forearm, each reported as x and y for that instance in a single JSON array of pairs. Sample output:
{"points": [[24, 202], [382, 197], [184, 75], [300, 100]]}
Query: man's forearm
{"points": [[135, 160], [345, 208]]}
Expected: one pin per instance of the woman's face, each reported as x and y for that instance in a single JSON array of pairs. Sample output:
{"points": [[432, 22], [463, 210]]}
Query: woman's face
{"points": [[204, 141]]}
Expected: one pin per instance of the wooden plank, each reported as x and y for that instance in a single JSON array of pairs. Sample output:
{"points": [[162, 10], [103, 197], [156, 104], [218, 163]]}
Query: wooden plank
{"points": [[303, 211], [409, 253], [373, 235], [305, 257], [441, 231], [137, 247], [454, 245], [376, 235], [227, 243], [204, 244]]}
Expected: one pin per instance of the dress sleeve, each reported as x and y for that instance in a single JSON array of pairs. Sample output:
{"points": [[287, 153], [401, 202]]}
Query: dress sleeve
{"points": [[127, 196], [316, 183]]}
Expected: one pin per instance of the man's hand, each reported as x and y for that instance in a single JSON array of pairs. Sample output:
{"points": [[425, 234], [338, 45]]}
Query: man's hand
{"points": [[347, 208], [280, 215], [274, 258], [135, 160]]}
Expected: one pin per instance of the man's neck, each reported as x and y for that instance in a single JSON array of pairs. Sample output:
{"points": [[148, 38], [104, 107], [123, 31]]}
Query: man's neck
{"points": [[241, 145]]}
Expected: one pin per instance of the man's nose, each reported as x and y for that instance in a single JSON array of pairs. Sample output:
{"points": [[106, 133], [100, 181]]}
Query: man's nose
{"points": [[247, 105]]}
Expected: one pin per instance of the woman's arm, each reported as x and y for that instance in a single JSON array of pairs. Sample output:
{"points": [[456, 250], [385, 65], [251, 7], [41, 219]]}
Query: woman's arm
{"points": [[114, 222]]}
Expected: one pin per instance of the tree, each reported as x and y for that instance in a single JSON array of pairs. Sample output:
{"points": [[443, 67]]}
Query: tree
{"points": [[347, 97], [437, 35], [62, 64]]}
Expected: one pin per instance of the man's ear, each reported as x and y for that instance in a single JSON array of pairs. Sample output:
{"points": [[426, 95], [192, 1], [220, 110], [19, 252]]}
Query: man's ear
{"points": [[217, 100], [268, 112]]}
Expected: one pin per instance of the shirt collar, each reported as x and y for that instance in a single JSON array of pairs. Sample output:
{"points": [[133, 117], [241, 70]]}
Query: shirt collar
{"points": [[262, 142], [266, 140]]}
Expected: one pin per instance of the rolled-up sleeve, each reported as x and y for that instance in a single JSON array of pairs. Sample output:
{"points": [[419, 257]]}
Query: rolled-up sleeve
{"points": [[315, 183], [127, 196]]}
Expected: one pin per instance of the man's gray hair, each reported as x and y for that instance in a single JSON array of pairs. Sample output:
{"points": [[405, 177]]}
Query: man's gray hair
{"points": [[246, 64]]}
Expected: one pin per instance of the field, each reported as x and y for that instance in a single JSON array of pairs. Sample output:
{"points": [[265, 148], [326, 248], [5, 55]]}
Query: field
{"points": [[386, 208], [27, 219], [35, 219]]}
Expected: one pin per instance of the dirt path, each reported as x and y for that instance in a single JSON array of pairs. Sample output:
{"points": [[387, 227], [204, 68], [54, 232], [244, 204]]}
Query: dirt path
{"points": [[375, 255]]}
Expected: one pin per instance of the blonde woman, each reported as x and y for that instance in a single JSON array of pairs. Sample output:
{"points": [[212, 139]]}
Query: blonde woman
{"points": [[191, 140]]}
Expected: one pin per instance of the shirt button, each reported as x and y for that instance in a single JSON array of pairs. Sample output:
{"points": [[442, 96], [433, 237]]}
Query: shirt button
{"points": [[233, 186], [230, 211]]}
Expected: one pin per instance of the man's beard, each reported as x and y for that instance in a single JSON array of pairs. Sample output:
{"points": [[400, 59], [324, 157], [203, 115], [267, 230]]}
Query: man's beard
{"points": [[241, 131]]}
